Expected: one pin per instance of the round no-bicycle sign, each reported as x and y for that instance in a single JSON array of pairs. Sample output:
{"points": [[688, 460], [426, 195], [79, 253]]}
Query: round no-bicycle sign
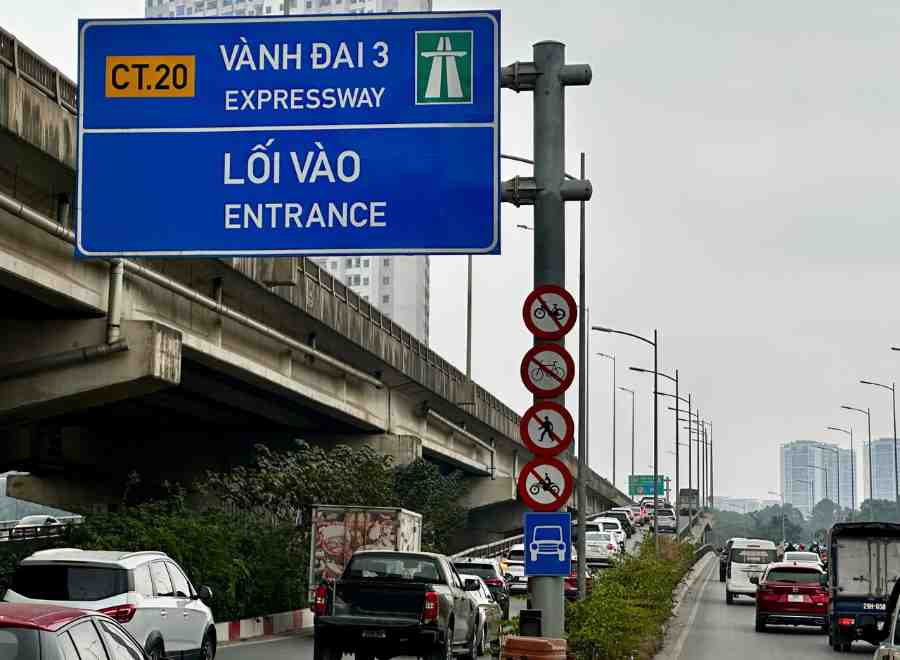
{"points": [[545, 484], [549, 312], [547, 370], [547, 428]]}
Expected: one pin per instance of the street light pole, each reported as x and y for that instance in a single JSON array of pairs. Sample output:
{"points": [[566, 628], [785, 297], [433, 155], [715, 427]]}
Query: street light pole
{"points": [[852, 465], [613, 358], [772, 492], [868, 415], [655, 344], [677, 399], [631, 392], [893, 388]]}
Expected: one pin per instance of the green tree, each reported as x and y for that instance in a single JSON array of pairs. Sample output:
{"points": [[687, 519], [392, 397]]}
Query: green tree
{"points": [[878, 511]]}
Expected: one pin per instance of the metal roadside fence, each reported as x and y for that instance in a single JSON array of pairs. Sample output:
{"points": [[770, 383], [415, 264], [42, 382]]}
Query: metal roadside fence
{"points": [[9, 531]]}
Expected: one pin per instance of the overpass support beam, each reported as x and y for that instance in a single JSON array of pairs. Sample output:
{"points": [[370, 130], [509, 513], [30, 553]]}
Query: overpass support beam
{"points": [[152, 362], [403, 449], [80, 496]]}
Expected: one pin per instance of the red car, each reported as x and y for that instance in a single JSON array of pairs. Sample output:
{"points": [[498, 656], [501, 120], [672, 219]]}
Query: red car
{"points": [[792, 594], [50, 632]]}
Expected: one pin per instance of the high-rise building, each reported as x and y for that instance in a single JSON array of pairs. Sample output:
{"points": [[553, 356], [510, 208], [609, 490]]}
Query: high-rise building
{"points": [[883, 479], [813, 471], [396, 286]]}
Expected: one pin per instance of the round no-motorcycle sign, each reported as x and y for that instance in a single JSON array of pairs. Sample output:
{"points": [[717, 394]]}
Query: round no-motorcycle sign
{"points": [[547, 428], [545, 484], [549, 312]]}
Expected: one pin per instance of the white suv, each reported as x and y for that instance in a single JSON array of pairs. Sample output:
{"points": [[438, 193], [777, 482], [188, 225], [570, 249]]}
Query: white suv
{"points": [[144, 591]]}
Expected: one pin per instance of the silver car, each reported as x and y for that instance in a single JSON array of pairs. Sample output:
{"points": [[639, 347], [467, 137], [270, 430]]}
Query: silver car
{"points": [[666, 521]]}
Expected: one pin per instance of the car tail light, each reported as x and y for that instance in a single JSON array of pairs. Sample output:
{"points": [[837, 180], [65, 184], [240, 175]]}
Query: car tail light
{"points": [[494, 582], [819, 598], [765, 594], [846, 621], [430, 608], [121, 613], [320, 604], [610, 546]]}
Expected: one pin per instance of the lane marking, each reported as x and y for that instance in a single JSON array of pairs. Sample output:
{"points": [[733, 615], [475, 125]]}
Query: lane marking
{"points": [[679, 645]]}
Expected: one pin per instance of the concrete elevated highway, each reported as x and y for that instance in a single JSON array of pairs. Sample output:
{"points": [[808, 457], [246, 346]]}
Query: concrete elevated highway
{"points": [[170, 367]]}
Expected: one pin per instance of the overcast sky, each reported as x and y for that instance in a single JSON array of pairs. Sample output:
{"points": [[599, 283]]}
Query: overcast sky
{"points": [[744, 158]]}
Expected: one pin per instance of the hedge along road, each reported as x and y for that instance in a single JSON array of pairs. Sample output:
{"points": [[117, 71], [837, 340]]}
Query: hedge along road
{"points": [[705, 628]]}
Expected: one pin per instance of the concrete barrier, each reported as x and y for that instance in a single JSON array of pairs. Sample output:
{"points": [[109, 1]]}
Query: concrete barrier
{"points": [[269, 624]]}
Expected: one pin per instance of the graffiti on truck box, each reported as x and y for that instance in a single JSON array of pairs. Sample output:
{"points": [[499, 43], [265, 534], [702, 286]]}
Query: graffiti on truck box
{"points": [[338, 532]]}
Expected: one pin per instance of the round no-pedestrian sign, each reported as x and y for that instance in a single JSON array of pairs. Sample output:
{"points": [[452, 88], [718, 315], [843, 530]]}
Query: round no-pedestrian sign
{"points": [[547, 370], [545, 484], [547, 428], [549, 312]]}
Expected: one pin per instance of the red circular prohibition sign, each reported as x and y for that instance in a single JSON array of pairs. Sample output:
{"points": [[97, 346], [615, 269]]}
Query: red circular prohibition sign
{"points": [[540, 412], [541, 306], [547, 380], [528, 489]]}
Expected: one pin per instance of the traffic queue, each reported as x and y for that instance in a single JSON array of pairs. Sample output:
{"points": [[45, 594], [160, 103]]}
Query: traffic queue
{"points": [[847, 587]]}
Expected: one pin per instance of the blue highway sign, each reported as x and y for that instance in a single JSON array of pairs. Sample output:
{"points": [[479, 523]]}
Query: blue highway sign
{"points": [[548, 544], [364, 134]]}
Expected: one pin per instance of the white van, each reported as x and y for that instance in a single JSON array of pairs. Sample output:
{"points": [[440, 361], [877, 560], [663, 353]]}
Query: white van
{"points": [[748, 558]]}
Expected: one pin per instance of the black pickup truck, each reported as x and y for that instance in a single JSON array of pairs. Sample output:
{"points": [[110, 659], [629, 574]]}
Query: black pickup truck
{"points": [[396, 603]]}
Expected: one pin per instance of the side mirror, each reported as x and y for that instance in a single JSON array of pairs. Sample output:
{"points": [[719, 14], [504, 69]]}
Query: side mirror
{"points": [[205, 594], [754, 580], [471, 585]]}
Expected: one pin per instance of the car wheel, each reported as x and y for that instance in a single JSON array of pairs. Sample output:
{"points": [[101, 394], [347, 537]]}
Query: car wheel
{"points": [[157, 652], [729, 597], [208, 648], [472, 648], [443, 651], [760, 623]]}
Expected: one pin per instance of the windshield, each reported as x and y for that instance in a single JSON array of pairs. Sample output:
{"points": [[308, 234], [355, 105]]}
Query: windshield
{"points": [[481, 570], [547, 533], [62, 583], [597, 537], [19, 644], [663, 513], [517, 553], [611, 527], [793, 575], [752, 556], [801, 556], [33, 520], [394, 567]]}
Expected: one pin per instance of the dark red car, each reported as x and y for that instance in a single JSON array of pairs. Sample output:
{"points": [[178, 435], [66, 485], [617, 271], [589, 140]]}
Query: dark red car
{"points": [[792, 594], [50, 632]]}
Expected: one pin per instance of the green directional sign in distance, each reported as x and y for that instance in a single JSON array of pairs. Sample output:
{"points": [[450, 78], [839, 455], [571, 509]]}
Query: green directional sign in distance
{"points": [[443, 67], [642, 484]]}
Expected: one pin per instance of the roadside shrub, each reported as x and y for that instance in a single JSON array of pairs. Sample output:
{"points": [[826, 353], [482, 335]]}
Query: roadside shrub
{"points": [[629, 602]]}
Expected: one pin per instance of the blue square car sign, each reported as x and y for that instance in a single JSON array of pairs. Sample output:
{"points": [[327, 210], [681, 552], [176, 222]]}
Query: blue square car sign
{"points": [[548, 544]]}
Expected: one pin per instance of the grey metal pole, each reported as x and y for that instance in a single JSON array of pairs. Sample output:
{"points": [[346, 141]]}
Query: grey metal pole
{"points": [[690, 459], [656, 437], [582, 408], [896, 474], [550, 259], [712, 473], [632, 432], [699, 474], [469, 318], [613, 418], [852, 473], [677, 461], [869, 423]]}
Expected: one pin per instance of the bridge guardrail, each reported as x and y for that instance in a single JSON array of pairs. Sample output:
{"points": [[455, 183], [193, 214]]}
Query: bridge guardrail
{"points": [[490, 550], [8, 532], [29, 66]]}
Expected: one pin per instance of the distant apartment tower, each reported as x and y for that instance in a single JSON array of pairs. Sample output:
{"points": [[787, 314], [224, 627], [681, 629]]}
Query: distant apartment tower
{"points": [[813, 471], [179, 8], [883, 479], [396, 286]]}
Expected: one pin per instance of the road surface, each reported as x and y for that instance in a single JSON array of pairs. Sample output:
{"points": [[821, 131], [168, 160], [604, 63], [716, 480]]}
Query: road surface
{"points": [[705, 628]]}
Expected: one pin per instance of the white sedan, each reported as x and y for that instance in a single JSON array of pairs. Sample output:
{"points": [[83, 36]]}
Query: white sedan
{"points": [[803, 557], [600, 547]]}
